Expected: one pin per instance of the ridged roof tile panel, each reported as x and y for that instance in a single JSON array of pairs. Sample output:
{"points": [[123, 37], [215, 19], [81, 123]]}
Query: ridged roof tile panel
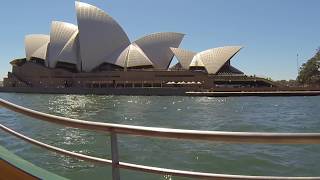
{"points": [[184, 57], [121, 60], [61, 32], [133, 56], [70, 52], [214, 59], [35, 41], [157, 47], [99, 36], [41, 53], [137, 57], [196, 61]]}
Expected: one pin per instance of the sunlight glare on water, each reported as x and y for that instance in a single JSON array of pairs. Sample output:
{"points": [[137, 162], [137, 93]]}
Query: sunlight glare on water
{"points": [[252, 114]]}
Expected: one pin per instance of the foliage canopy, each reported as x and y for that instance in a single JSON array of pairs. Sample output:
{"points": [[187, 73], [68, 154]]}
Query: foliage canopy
{"points": [[309, 73]]}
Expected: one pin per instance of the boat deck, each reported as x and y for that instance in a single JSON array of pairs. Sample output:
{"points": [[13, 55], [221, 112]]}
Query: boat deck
{"points": [[14, 167]]}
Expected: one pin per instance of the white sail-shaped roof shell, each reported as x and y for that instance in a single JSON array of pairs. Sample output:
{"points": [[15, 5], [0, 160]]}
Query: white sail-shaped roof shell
{"points": [[99, 36], [133, 56], [41, 52], [70, 52], [184, 57], [214, 59], [36, 45], [157, 47], [61, 33], [196, 62]]}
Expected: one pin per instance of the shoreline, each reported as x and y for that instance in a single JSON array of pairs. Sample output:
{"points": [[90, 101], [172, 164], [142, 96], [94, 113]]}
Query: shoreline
{"points": [[255, 93], [161, 92]]}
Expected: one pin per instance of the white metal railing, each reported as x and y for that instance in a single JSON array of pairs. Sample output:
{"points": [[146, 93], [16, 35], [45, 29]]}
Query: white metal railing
{"points": [[114, 129]]}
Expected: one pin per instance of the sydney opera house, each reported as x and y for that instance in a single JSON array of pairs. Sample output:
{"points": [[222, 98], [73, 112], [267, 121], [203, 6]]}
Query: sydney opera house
{"points": [[97, 53]]}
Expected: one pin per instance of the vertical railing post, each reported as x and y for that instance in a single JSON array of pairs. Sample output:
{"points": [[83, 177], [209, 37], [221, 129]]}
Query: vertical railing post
{"points": [[115, 156]]}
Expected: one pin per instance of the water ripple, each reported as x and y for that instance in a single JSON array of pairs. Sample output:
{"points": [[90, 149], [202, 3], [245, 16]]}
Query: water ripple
{"points": [[255, 114]]}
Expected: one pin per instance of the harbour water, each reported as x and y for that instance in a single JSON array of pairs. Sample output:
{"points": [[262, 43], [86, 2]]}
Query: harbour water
{"points": [[252, 114]]}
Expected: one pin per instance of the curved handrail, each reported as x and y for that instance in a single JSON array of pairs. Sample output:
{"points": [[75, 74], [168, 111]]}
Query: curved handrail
{"points": [[55, 149], [149, 169], [221, 136]]}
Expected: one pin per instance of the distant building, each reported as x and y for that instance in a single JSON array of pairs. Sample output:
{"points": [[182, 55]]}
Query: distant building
{"points": [[98, 54]]}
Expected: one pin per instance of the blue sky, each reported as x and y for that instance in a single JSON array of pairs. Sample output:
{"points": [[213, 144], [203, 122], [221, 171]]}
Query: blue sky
{"points": [[271, 31]]}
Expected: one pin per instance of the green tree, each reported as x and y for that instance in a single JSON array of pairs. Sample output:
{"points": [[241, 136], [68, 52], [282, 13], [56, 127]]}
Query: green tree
{"points": [[309, 73]]}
